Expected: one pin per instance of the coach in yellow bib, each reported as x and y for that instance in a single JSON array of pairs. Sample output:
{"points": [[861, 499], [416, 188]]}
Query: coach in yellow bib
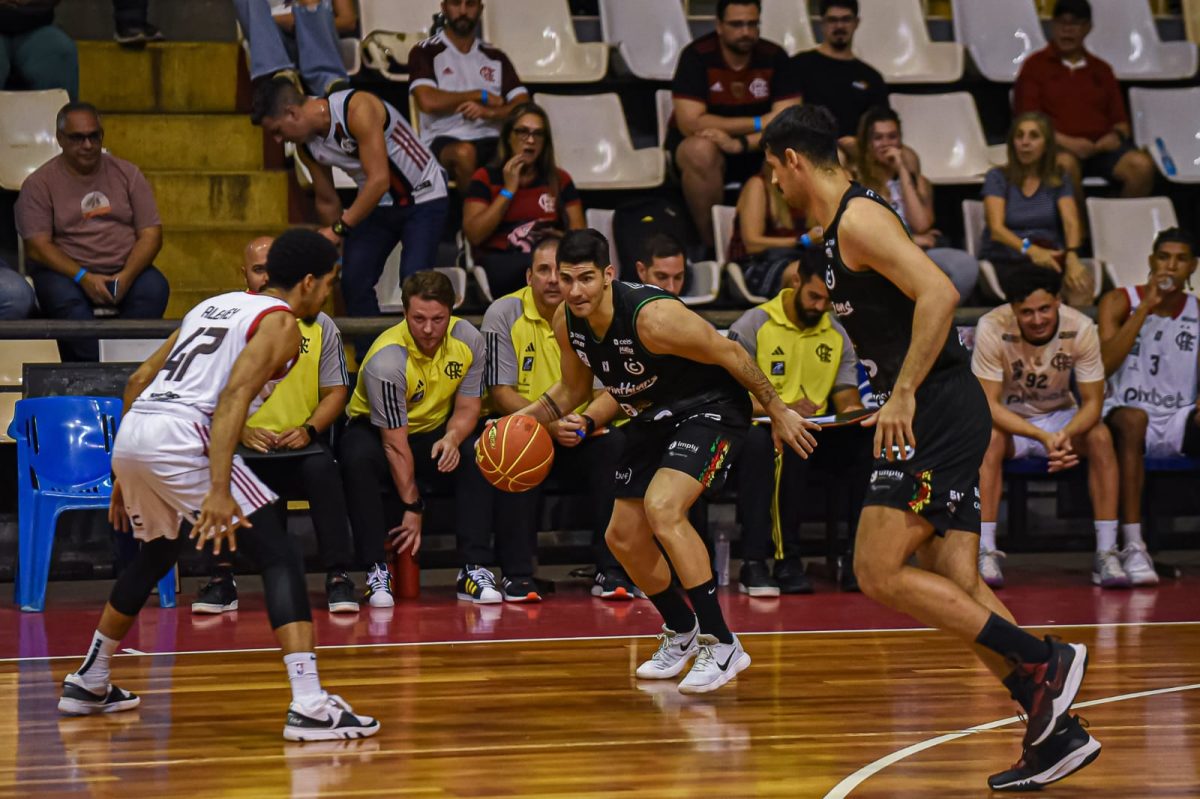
{"points": [[809, 360]]}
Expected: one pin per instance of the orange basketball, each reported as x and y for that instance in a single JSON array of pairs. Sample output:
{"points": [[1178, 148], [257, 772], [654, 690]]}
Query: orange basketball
{"points": [[514, 453]]}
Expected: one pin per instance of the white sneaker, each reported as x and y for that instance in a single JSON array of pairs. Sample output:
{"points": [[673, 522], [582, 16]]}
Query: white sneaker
{"points": [[379, 587], [716, 664], [1107, 571], [989, 567], [79, 700], [673, 653], [1138, 565], [328, 720]]}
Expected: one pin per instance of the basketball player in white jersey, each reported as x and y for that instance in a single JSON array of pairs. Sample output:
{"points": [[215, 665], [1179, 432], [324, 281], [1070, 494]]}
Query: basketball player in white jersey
{"points": [[174, 460], [1148, 339], [402, 194]]}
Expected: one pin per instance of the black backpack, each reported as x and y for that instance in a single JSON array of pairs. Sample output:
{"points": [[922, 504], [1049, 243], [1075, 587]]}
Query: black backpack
{"points": [[636, 221]]}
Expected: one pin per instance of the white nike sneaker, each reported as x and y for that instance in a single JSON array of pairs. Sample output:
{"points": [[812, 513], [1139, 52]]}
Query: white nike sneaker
{"points": [[79, 700], [673, 653], [1138, 566], [716, 664], [328, 720]]}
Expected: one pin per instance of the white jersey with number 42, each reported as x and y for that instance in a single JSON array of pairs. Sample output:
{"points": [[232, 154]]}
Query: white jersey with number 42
{"points": [[211, 338]]}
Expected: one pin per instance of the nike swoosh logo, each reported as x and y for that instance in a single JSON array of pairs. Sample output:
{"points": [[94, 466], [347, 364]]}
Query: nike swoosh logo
{"points": [[686, 646], [724, 666], [712, 591]]}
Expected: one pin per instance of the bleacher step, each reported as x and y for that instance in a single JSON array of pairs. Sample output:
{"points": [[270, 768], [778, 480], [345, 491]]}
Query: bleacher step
{"points": [[172, 77], [204, 142], [220, 198]]}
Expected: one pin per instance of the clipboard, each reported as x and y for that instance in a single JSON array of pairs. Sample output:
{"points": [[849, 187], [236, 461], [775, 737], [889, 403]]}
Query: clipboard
{"points": [[832, 420]]}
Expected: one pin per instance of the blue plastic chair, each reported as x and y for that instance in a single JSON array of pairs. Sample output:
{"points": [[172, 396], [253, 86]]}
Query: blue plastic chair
{"points": [[64, 462]]}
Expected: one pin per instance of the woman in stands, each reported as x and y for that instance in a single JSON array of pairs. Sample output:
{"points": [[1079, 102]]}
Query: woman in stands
{"points": [[511, 203], [893, 171], [1032, 216], [767, 236]]}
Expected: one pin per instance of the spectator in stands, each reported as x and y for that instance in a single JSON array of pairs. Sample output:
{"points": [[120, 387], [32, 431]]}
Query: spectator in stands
{"points": [[1027, 355], [767, 240], [1027, 202], [523, 361], [810, 361], [288, 448], [36, 49], [663, 264], [521, 196], [1148, 339], [402, 195], [831, 76], [464, 89], [285, 34], [1079, 92], [132, 27], [412, 418], [17, 300], [728, 86], [91, 231], [893, 171]]}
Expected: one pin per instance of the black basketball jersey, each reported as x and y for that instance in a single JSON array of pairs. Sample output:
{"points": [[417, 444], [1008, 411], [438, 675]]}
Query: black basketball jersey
{"points": [[876, 314], [648, 386]]}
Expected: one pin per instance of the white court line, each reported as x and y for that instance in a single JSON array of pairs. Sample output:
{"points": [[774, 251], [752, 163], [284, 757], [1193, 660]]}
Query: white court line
{"points": [[479, 642], [843, 788]]}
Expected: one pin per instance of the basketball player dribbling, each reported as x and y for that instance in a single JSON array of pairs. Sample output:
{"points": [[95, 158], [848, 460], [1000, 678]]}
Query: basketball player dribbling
{"points": [[930, 438], [684, 388], [174, 458]]}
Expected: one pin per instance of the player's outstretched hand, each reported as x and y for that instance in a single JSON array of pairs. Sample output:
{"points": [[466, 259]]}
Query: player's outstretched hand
{"points": [[893, 427], [219, 520], [117, 515], [793, 429], [445, 452]]}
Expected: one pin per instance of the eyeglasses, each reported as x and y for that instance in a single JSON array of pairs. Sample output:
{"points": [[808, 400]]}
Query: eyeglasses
{"points": [[537, 134], [95, 137], [846, 19], [747, 25]]}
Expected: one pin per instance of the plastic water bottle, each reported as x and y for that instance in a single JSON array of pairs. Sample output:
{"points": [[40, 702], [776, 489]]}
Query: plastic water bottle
{"points": [[1168, 163], [1166, 284], [721, 556]]}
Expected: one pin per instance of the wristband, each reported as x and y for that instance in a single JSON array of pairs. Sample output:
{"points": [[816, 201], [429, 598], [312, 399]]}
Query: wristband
{"points": [[312, 432], [758, 124], [483, 94], [340, 228], [1025, 245], [79, 275], [506, 194], [589, 424], [805, 241]]}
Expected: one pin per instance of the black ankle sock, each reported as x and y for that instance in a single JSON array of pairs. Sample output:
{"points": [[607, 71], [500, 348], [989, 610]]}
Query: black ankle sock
{"points": [[1008, 640], [708, 611], [675, 612]]}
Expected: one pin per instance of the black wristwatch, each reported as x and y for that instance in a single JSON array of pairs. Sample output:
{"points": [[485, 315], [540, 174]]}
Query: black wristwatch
{"points": [[312, 432], [340, 228], [745, 143], [589, 424], [417, 507]]}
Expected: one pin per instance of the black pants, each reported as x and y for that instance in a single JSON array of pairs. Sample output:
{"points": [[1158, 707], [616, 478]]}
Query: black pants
{"points": [[843, 454], [374, 505], [593, 465], [130, 12]]}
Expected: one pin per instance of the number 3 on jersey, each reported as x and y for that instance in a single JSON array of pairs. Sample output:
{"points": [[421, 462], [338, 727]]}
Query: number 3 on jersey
{"points": [[204, 341]]}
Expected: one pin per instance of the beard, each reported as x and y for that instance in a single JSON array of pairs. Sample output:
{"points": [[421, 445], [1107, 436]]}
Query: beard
{"points": [[462, 26], [839, 43]]}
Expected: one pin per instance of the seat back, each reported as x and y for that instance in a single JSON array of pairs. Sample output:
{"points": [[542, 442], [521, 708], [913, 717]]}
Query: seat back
{"points": [[601, 220], [786, 22], [128, 350], [664, 106], [649, 34], [15, 353], [973, 225], [999, 34], [1172, 115], [8, 407], [539, 39], [65, 442], [407, 16], [27, 135], [590, 136], [892, 37], [722, 217], [945, 131], [1124, 35], [1123, 232]]}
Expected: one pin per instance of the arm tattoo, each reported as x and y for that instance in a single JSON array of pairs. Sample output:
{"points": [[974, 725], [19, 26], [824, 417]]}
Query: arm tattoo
{"points": [[754, 381], [550, 407]]}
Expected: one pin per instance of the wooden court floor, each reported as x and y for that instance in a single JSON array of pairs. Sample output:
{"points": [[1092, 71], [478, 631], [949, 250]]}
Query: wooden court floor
{"points": [[823, 715]]}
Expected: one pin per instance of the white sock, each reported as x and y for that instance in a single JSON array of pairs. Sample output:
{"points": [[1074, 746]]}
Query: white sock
{"points": [[1106, 536], [1132, 533], [987, 535], [302, 673], [95, 669]]}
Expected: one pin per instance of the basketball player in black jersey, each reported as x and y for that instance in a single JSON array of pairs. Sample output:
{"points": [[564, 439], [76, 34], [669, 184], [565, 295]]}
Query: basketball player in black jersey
{"points": [[684, 388], [930, 438]]}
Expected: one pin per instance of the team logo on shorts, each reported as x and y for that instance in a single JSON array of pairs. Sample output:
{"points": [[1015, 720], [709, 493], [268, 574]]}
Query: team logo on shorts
{"points": [[923, 491], [716, 464]]}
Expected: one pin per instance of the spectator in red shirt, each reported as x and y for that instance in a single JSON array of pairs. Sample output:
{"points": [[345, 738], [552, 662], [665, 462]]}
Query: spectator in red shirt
{"points": [[514, 201], [1080, 94], [728, 86]]}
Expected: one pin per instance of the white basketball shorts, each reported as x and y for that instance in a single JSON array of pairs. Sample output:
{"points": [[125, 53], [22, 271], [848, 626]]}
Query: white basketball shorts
{"points": [[1051, 423]]}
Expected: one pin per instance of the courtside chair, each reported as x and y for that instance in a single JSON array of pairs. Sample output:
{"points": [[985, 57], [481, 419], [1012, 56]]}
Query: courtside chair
{"points": [[973, 227], [893, 38], [1124, 35], [1123, 232], [538, 36], [999, 35], [703, 282], [723, 217], [591, 142], [64, 462], [649, 34], [786, 22], [27, 139], [1167, 123], [945, 131]]}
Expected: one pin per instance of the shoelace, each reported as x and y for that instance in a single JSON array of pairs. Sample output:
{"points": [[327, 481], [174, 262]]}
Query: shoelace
{"points": [[662, 655], [483, 577], [705, 657], [378, 580]]}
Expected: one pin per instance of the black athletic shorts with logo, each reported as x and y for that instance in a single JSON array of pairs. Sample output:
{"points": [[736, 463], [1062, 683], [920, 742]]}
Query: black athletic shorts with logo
{"points": [[940, 482], [701, 444]]}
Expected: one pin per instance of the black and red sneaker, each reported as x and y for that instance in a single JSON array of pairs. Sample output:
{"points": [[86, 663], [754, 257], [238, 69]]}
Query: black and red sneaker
{"points": [[1051, 687], [1068, 750]]}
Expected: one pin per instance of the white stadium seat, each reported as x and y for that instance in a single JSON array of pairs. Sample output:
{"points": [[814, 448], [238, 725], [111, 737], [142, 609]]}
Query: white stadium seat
{"points": [[974, 224], [128, 350], [1124, 35], [945, 131], [15, 353], [591, 142], [664, 106], [27, 135], [397, 16], [1123, 232], [649, 34], [704, 278], [999, 34], [1172, 116], [387, 290], [539, 39], [723, 217], [786, 22], [892, 37]]}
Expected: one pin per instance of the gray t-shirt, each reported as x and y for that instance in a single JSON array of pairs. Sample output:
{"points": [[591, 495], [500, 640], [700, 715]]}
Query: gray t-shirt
{"points": [[1035, 217]]}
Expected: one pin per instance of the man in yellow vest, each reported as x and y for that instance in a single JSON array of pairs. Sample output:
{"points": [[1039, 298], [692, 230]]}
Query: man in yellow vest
{"points": [[412, 418], [288, 451], [523, 361], [809, 360]]}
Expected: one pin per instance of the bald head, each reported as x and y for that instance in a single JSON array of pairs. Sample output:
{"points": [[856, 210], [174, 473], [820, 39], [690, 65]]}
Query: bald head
{"points": [[254, 262]]}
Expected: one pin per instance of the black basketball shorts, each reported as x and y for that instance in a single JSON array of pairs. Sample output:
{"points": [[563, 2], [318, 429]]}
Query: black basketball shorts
{"points": [[702, 444]]}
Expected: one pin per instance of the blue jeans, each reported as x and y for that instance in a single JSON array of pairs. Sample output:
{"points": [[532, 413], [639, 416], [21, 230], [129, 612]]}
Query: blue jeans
{"points": [[61, 298], [315, 43], [45, 58], [16, 296]]}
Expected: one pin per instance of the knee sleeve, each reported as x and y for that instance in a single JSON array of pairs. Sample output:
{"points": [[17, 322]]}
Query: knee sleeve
{"points": [[153, 561], [281, 566]]}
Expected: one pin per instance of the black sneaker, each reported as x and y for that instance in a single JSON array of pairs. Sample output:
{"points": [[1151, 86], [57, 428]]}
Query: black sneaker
{"points": [[755, 579], [846, 579], [330, 719], [77, 700], [151, 33], [477, 584], [1068, 750], [1051, 688], [339, 591], [613, 584], [129, 36], [791, 577], [219, 596], [520, 589]]}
